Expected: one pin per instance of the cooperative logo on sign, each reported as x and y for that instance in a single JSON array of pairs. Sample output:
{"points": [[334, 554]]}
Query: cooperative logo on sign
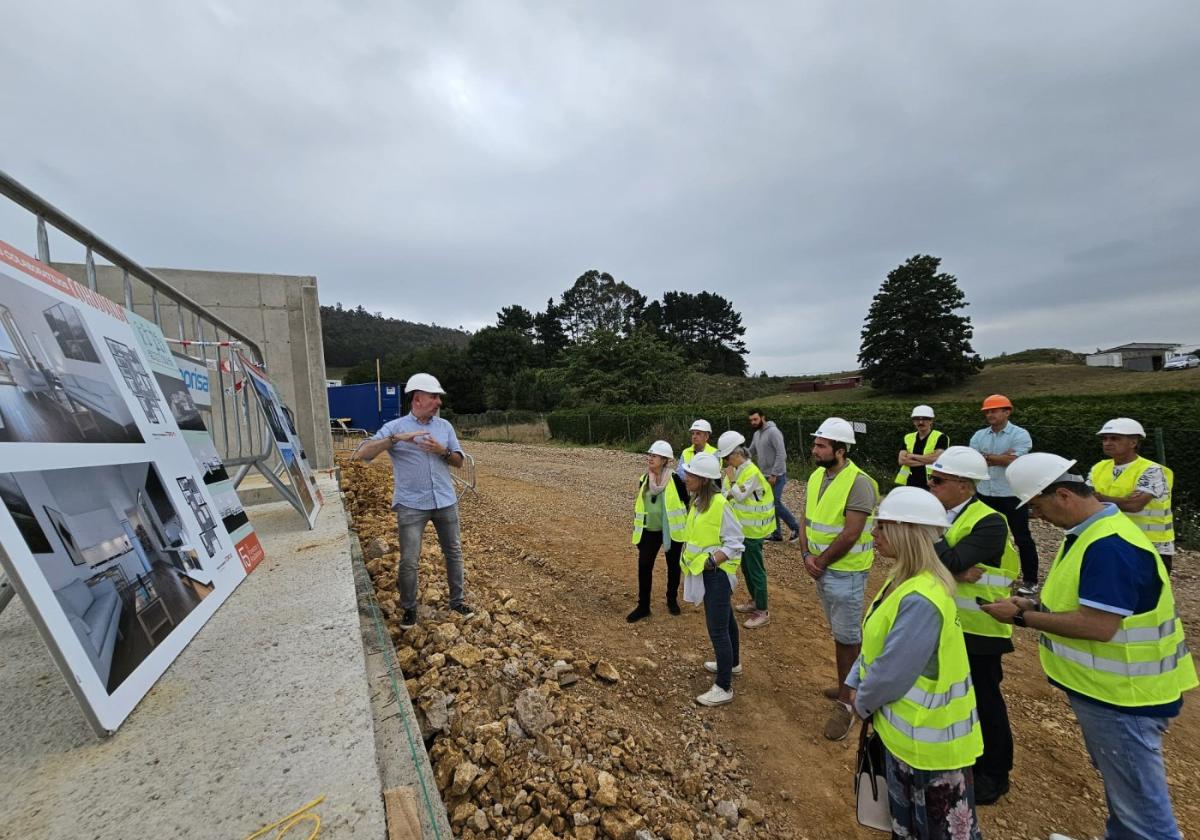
{"points": [[195, 381]]}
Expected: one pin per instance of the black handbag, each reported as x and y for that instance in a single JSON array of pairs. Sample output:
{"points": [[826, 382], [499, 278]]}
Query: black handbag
{"points": [[870, 781]]}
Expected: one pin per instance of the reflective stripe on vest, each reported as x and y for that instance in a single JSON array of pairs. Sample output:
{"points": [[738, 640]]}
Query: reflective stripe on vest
{"points": [[1156, 519], [931, 735], [825, 518], [910, 440], [996, 580], [935, 725], [1152, 668], [1147, 662], [757, 511], [673, 509], [703, 537]]}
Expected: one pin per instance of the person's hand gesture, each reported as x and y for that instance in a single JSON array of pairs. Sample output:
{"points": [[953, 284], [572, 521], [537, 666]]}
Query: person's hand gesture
{"points": [[403, 436]]}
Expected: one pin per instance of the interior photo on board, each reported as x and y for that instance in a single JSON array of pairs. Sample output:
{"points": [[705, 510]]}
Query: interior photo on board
{"points": [[124, 568], [54, 385]]}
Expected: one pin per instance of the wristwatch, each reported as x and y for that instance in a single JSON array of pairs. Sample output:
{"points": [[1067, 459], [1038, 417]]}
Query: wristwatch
{"points": [[1019, 618]]}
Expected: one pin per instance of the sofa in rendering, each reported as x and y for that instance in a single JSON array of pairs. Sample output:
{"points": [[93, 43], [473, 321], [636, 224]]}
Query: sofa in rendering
{"points": [[97, 396], [94, 612]]}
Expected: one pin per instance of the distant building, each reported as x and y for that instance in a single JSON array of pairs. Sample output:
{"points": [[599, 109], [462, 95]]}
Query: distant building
{"points": [[333, 383], [1137, 355]]}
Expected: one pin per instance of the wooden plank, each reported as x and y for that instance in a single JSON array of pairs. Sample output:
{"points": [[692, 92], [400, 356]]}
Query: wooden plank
{"points": [[403, 818]]}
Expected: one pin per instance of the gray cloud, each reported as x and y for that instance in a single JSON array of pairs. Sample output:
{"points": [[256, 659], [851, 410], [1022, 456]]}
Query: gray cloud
{"points": [[439, 161]]}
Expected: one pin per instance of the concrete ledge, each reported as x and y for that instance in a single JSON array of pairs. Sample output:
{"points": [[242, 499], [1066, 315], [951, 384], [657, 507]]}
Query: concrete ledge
{"points": [[268, 708]]}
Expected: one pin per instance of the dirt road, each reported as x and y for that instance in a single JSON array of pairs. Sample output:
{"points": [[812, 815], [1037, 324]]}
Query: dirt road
{"points": [[563, 515]]}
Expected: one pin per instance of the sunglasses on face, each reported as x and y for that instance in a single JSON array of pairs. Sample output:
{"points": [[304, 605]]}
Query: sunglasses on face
{"points": [[940, 480]]}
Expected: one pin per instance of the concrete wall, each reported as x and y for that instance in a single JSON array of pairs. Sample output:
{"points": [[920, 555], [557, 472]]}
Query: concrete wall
{"points": [[280, 312]]}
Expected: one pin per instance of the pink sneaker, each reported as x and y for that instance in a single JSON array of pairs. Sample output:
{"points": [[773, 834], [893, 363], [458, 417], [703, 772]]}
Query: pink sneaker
{"points": [[747, 607], [761, 618]]}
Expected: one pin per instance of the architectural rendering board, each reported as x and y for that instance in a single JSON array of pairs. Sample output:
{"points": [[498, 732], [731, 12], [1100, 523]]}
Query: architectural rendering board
{"points": [[287, 441], [108, 530]]}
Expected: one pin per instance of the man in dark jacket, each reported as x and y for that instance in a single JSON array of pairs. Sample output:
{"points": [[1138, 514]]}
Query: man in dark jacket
{"points": [[768, 451]]}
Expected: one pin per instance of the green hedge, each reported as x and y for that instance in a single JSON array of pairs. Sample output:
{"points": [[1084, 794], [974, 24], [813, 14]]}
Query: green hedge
{"points": [[1064, 425]]}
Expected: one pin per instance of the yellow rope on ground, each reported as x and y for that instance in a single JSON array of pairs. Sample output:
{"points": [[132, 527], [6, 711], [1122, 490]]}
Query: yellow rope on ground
{"points": [[297, 817]]}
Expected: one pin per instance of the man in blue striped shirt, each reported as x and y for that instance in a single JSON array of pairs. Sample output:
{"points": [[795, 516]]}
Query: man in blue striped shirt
{"points": [[423, 447], [1001, 443]]}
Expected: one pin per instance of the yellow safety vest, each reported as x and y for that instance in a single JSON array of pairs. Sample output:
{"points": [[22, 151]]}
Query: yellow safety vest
{"points": [[757, 511], [935, 726], [1147, 662], [910, 440], [1156, 518], [702, 537], [686, 455], [673, 506], [996, 580], [827, 518]]}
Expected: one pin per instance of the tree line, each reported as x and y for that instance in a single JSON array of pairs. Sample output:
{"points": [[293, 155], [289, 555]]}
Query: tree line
{"points": [[350, 336], [602, 341]]}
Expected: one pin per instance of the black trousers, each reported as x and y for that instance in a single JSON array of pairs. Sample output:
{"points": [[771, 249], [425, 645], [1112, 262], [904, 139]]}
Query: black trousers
{"points": [[648, 548], [1018, 523], [987, 672]]}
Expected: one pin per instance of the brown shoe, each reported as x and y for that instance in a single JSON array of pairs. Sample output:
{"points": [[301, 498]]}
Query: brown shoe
{"points": [[833, 692], [839, 723]]}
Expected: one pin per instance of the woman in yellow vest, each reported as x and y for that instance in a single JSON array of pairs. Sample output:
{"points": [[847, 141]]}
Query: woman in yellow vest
{"points": [[753, 500], [659, 514], [913, 681], [712, 552]]}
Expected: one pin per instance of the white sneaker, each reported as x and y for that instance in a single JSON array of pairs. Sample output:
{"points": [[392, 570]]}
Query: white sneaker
{"points": [[715, 696], [711, 667], [1057, 836]]}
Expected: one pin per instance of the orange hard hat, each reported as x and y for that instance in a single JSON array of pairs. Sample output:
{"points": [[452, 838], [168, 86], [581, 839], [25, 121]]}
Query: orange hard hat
{"points": [[997, 401]]}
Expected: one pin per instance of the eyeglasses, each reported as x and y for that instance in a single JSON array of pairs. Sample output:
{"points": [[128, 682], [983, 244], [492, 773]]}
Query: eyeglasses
{"points": [[940, 480]]}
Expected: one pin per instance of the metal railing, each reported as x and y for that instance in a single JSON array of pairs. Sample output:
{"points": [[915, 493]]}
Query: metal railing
{"points": [[235, 421]]}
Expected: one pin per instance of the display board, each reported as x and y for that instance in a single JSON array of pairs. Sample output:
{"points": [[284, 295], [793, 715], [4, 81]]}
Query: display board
{"points": [[287, 440], [173, 377], [109, 531]]}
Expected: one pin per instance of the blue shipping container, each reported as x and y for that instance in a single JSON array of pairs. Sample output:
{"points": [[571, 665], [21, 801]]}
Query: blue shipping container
{"points": [[361, 404]]}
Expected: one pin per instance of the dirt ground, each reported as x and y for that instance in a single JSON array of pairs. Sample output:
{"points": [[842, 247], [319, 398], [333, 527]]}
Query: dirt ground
{"points": [[552, 525]]}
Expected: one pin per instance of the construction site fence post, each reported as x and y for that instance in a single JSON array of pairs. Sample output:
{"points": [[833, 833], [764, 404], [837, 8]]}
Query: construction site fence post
{"points": [[1159, 447]]}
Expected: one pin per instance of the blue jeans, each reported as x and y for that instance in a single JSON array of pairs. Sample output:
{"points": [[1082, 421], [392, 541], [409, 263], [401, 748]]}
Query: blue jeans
{"points": [[721, 623], [1127, 750], [782, 514], [411, 524]]}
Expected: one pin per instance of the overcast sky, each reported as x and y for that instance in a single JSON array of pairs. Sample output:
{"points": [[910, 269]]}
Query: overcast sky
{"points": [[436, 161]]}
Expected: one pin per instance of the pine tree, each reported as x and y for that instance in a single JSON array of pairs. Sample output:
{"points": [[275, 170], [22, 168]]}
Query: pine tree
{"points": [[913, 342]]}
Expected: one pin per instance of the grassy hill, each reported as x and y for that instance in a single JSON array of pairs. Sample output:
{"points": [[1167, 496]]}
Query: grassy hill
{"points": [[1020, 380]]}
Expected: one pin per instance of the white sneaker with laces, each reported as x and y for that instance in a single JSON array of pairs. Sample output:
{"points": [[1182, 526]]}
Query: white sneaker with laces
{"points": [[711, 667], [715, 696]]}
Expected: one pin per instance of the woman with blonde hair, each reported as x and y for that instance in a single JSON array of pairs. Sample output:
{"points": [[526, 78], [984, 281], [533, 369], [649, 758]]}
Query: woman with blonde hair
{"points": [[913, 679]]}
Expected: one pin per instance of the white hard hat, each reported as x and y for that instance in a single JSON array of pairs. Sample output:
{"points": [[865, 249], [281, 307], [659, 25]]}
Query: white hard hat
{"points": [[661, 447], [923, 411], [1031, 474], [705, 465], [835, 428], [962, 461], [729, 441], [1122, 426], [701, 426], [914, 506], [423, 382]]}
